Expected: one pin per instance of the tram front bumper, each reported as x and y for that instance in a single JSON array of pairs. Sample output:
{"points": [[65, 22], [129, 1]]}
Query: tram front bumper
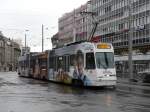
{"points": [[104, 83]]}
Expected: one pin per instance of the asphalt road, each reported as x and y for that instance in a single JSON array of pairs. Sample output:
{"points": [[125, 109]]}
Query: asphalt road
{"points": [[19, 94]]}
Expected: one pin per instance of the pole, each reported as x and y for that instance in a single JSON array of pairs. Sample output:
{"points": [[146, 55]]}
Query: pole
{"points": [[25, 41], [74, 27], [130, 43], [42, 37]]}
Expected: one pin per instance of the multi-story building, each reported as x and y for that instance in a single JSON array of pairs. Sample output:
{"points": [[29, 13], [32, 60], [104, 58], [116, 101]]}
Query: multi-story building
{"points": [[73, 26], [118, 20], [113, 17], [2, 51], [9, 53], [65, 28], [55, 40]]}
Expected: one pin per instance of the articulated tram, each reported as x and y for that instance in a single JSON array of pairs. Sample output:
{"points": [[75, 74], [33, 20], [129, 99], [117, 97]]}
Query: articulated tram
{"points": [[81, 64]]}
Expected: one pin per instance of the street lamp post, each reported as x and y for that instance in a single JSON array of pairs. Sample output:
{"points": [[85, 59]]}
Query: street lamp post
{"points": [[25, 39], [74, 26], [42, 37], [130, 43], [43, 29]]}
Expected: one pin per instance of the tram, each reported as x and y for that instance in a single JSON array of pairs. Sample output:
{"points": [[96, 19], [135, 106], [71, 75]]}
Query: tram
{"points": [[83, 64], [33, 65], [79, 64], [23, 65]]}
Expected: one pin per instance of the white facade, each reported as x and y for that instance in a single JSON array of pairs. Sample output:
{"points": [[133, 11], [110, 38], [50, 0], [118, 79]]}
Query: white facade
{"points": [[113, 17], [119, 18], [73, 26]]}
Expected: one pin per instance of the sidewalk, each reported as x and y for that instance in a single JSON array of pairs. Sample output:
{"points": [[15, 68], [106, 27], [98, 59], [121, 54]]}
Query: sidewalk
{"points": [[137, 88], [126, 81]]}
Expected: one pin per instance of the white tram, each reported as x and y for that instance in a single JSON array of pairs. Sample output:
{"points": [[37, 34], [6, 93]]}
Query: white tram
{"points": [[23, 65], [83, 64]]}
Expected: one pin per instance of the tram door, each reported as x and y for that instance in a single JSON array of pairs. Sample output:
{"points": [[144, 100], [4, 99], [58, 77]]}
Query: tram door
{"points": [[66, 63], [52, 65]]}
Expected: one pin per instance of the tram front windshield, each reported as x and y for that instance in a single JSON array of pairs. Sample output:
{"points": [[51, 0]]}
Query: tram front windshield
{"points": [[105, 60]]}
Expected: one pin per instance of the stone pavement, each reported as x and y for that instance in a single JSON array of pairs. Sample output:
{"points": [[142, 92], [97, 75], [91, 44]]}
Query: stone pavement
{"points": [[136, 88], [125, 84], [127, 81]]}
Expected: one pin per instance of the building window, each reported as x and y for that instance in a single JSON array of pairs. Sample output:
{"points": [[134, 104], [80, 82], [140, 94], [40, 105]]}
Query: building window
{"points": [[121, 26], [72, 60], [104, 1], [108, 9]]}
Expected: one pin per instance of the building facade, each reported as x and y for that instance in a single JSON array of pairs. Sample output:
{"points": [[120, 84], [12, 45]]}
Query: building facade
{"points": [[113, 17], [117, 17], [55, 40], [118, 21], [9, 53], [73, 26]]}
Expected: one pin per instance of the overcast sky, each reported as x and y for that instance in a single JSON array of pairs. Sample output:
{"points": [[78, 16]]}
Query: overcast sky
{"points": [[16, 16]]}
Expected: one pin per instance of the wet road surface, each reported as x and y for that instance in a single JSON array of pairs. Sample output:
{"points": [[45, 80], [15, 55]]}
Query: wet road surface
{"points": [[19, 94]]}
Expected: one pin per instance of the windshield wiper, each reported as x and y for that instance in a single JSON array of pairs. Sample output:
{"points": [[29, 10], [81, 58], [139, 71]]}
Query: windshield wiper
{"points": [[105, 67]]}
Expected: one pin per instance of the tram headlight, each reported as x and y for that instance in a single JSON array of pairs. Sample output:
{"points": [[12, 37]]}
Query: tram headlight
{"points": [[107, 75]]}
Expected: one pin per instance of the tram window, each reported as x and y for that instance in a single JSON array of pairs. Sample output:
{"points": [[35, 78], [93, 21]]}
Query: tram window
{"points": [[66, 63], [43, 62], [31, 63], [60, 62], [51, 62], [72, 58], [55, 63], [105, 60], [34, 62], [90, 62], [25, 63]]}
